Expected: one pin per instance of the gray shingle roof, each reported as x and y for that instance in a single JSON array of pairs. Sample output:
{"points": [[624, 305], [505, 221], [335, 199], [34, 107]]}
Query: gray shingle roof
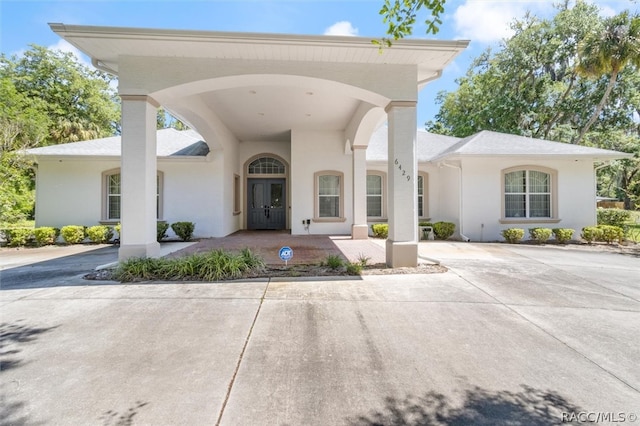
{"points": [[170, 143], [428, 145], [494, 144]]}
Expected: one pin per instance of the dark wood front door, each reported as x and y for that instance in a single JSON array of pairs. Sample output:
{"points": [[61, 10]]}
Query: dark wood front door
{"points": [[266, 204]]}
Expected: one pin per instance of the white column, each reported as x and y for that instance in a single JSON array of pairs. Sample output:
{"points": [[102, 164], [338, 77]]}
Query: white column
{"points": [[359, 228], [402, 244], [138, 172]]}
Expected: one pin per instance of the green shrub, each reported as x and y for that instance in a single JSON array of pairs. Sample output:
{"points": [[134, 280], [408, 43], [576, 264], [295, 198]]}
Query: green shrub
{"points": [[425, 224], [17, 237], [562, 235], [100, 234], [334, 261], [210, 266], [354, 268], [443, 230], [591, 234], [613, 217], [380, 230], [46, 235], [184, 230], [118, 229], [513, 235], [72, 234], [610, 233], [161, 231], [540, 235]]}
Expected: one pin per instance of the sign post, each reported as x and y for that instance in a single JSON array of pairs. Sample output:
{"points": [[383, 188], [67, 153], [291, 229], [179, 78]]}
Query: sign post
{"points": [[286, 254]]}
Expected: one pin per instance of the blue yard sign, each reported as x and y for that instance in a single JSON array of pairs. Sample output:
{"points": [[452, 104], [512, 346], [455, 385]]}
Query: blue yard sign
{"points": [[286, 254]]}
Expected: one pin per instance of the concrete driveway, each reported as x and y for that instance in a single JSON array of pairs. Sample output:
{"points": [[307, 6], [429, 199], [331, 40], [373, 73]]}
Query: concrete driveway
{"points": [[510, 335]]}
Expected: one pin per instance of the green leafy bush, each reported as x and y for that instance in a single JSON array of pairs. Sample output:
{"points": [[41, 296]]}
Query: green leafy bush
{"points": [[161, 230], [443, 230], [380, 230], [17, 237], [334, 261], [513, 235], [540, 235], [591, 234], [184, 230], [562, 235], [72, 234], [100, 234], [46, 235], [425, 224], [610, 233], [613, 217]]}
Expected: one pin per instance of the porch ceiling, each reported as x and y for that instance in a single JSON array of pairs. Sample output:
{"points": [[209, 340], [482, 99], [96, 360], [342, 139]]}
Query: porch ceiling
{"points": [[268, 113]]}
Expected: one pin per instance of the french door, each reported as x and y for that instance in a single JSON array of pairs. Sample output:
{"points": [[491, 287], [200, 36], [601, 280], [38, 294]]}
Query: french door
{"points": [[266, 204]]}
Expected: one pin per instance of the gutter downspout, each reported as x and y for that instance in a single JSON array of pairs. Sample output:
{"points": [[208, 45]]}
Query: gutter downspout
{"points": [[460, 221]]}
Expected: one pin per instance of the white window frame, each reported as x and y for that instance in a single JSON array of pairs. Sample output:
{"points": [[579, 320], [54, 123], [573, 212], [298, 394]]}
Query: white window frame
{"points": [[382, 195], [424, 196], [317, 195], [106, 194], [552, 194]]}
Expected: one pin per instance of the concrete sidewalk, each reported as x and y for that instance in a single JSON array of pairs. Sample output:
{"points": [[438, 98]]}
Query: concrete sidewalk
{"points": [[510, 334]]}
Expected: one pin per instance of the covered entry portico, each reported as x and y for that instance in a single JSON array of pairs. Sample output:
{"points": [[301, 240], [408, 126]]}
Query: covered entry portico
{"points": [[312, 101]]}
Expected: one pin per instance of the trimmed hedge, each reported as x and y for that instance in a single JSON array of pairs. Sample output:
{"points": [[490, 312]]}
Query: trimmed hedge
{"points": [[380, 230], [100, 234], [161, 231], [613, 217], [184, 230], [610, 233], [17, 237], [540, 235], [46, 235], [443, 230], [562, 235], [72, 234], [513, 235]]}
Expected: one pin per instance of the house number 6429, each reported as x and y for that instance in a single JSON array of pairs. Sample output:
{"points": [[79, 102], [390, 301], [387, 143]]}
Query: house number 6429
{"points": [[404, 172]]}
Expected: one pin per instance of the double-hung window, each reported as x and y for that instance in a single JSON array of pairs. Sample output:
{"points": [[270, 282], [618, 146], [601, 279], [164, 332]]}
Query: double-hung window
{"points": [[374, 195], [329, 196], [112, 195]]}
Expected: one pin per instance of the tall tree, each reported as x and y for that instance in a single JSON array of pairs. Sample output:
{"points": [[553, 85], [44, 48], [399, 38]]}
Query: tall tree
{"points": [[401, 15], [78, 100], [607, 50]]}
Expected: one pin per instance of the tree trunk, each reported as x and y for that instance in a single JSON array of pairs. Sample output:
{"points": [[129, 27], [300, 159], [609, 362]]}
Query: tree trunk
{"points": [[603, 101]]}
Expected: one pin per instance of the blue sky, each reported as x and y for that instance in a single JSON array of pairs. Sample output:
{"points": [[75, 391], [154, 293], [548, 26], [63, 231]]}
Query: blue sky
{"points": [[484, 22]]}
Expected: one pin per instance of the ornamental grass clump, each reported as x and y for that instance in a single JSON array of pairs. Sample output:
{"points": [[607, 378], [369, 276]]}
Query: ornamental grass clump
{"points": [[334, 261], [540, 235], [215, 265]]}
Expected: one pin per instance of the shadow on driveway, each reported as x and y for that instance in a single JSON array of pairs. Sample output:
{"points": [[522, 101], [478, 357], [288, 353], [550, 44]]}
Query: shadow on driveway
{"points": [[63, 270]]}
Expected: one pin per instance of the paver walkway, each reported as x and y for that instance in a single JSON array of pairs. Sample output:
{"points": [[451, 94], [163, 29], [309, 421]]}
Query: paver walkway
{"points": [[307, 249]]}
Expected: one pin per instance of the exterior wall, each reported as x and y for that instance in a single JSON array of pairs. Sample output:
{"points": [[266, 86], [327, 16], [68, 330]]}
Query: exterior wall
{"points": [[447, 199], [70, 192], [482, 196], [311, 152]]}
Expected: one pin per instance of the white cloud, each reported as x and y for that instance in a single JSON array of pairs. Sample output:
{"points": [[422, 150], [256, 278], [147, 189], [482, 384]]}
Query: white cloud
{"points": [[486, 21], [67, 47], [342, 28]]}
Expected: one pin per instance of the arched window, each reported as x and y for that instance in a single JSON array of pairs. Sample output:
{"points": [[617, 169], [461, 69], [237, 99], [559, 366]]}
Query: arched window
{"points": [[529, 193], [266, 166]]}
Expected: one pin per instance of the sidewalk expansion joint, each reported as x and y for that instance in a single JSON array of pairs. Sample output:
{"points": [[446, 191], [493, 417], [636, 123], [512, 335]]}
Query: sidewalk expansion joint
{"points": [[244, 348]]}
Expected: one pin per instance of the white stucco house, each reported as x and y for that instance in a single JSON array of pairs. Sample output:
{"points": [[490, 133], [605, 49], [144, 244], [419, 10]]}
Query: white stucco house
{"points": [[288, 133]]}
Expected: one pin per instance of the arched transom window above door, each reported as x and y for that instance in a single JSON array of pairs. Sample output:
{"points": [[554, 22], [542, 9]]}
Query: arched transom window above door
{"points": [[266, 166]]}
